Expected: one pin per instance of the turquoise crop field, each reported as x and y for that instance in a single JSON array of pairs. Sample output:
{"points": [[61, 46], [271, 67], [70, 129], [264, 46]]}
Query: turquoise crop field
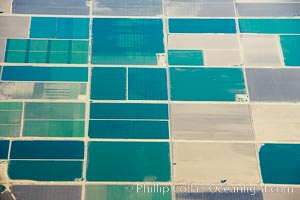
{"points": [[149, 100]]}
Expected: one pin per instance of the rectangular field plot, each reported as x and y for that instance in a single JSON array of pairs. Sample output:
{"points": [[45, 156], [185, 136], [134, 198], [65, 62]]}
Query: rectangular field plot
{"points": [[50, 7], [127, 7], [46, 192], [5, 6], [128, 161], [4, 147], [272, 9], [32, 90], [10, 130], [290, 46], [189, 41], [125, 192], [261, 50], [11, 106], [206, 84], [128, 111], [270, 26], [57, 111], [29, 73], [51, 128], [44, 170], [14, 26], [147, 84], [185, 57], [231, 58], [280, 163], [60, 28], [128, 129], [202, 26], [211, 122], [108, 83], [10, 119], [203, 163], [276, 122], [46, 51], [273, 84], [42, 149], [127, 41], [192, 8]]}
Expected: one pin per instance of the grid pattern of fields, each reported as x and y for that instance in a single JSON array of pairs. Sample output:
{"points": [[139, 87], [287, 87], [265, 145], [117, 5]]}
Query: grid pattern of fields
{"points": [[98, 98]]}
